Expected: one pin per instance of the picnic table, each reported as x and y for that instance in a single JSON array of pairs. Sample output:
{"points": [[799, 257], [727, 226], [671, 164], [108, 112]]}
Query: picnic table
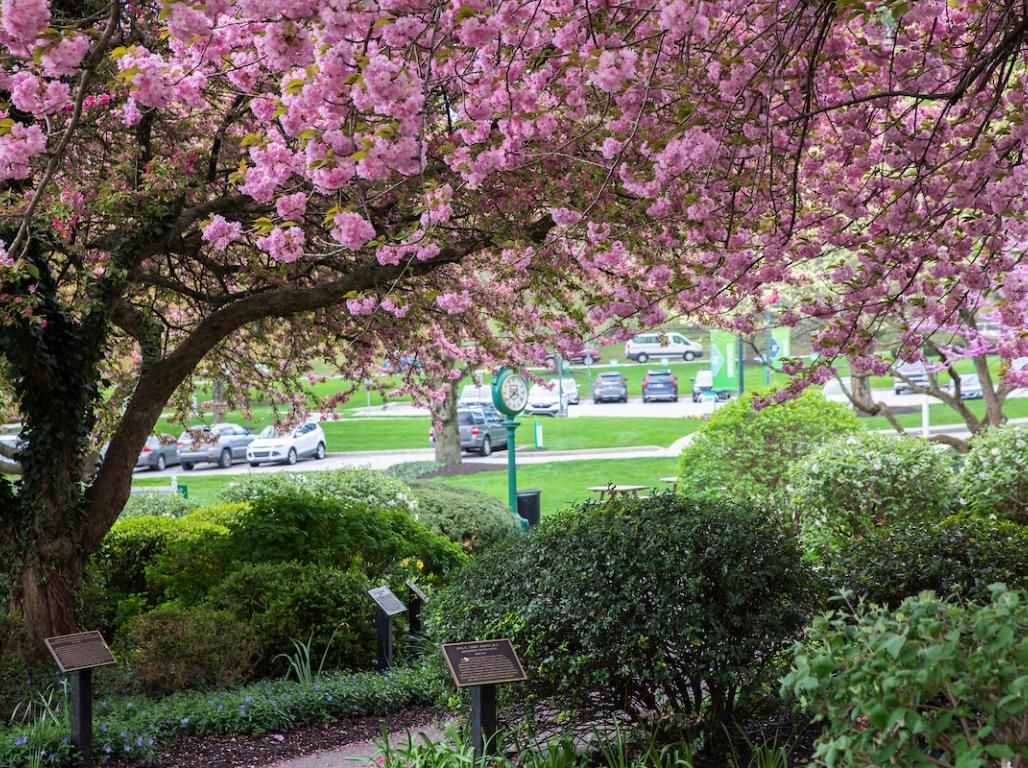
{"points": [[612, 491], [673, 481]]}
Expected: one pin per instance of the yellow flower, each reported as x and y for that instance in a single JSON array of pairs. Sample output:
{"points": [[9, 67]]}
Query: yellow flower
{"points": [[421, 565], [405, 562]]}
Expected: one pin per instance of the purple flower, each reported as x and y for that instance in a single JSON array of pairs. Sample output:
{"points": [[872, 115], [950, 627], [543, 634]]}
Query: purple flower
{"points": [[149, 742], [242, 708], [107, 748], [248, 699], [21, 741], [328, 697], [185, 721], [128, 747], [103, 726], [139, 741]]}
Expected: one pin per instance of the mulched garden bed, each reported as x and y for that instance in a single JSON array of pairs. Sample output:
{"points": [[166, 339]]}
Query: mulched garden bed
{"points": [[260, 751]]}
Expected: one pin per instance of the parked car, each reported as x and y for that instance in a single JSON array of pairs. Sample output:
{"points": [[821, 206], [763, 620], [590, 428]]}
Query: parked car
{"points": [[660, 385], [481, 430], [648, 345], [914, 372], [610, 387], [569, 387], [585, 356], [286, 447], [13, 441], [475, 394], [159, 451], [219, 444], [970, 387], [703, 387], [545, 399]]}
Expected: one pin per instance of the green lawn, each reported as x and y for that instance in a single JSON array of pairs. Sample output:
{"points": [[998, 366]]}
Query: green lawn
{"points": [[939, 413], [565, 482], [203, 487]]}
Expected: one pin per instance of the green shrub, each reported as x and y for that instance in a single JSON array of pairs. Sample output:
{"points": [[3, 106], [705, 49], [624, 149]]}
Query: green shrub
{"points": [[293, 524], [743, 453], [994, 478], [286, 601], [219, 514], [659, 608], [408, 471], [15, 642], [172, 648], [149, 504], [471, 518], [365, 487], [929, 684], [960, 555], [857, 484], [195, 558]]}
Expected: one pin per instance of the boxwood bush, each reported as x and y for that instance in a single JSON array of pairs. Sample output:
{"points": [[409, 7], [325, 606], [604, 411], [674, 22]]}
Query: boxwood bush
{"points": [[471, 518], [959, 555], [994, 478], [173, 648], [931, 683], [664, 609], [856, 484], [282, 602], [358, 486], [743, 453]]}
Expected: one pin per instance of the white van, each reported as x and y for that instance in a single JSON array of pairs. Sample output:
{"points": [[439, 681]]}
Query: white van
{"points": [[659, 344], [475, 394]]}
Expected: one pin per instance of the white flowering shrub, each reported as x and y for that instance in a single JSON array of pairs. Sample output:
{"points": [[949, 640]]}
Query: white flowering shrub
{"points": [[994, 478], [860, 483], [356, 486]]}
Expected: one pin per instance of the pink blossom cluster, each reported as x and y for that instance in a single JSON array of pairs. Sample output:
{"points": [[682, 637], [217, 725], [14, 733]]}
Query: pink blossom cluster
{"points": [[220, 232], [352, 230], [284, 244]]}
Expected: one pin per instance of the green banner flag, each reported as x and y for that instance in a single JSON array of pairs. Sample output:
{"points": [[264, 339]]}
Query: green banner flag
{"points": [[781, 343], [722, 360]]}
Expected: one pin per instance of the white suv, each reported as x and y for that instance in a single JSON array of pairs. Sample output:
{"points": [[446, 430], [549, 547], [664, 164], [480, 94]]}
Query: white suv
{"points": [[658, 344]]}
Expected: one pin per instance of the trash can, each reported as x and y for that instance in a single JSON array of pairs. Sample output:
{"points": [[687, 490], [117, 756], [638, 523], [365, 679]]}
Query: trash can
{"points": [[529, 506]]}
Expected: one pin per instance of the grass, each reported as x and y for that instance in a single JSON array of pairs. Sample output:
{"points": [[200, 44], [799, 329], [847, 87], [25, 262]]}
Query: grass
{"points": [[203, 488], [940, 413], [565, 482]]}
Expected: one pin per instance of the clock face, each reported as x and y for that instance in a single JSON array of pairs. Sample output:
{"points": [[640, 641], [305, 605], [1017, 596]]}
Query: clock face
{"points": [[514, 393]]}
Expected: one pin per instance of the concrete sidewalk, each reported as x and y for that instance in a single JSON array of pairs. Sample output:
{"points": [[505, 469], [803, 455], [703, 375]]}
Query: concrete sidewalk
{"points": [[359, 754]]}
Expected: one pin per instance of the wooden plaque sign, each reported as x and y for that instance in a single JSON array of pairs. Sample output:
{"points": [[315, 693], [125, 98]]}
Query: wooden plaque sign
{"points": [[387, 601], [417, 591], [83, 650], [483, 662]]}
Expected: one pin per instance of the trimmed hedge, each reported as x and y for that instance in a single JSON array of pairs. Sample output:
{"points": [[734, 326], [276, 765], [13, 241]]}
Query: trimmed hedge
{"points": [[470, 518], [744, 454], [960, 556], [994, 478], [639, 606]]}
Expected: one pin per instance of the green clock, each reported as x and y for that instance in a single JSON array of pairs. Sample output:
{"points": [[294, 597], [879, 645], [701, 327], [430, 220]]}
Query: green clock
{"points": [[510, 392]]}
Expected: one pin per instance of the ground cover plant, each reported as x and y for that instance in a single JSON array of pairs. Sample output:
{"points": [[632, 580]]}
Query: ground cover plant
{"points": [[665, 611]]}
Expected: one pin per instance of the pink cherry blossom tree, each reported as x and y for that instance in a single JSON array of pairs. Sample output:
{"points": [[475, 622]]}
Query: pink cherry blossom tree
{"points": [[236, 186]]}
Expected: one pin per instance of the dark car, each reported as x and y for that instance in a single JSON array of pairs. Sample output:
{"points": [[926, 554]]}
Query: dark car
{"points": [[584, 356], [158, 452], [610, 387], [219, 444], [481, 430], [660, 385]]}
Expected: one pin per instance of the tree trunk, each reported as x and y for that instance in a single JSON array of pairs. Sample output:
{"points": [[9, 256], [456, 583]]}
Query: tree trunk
{"points": [[46, 596], [861, 388], [447, 438]]}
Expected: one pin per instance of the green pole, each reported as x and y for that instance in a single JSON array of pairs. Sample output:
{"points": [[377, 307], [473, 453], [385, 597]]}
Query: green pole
{"points": [[512, 466]]}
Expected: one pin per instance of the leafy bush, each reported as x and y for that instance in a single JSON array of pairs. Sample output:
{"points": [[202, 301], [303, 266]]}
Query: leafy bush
{"points": [[142, 559], [743, 453], [994, 478], [172, 648], [15, 642], [365, 487], [134, 728], [853, 485], [658, 608], [156, 504], [219, 514], [294, 524], [286, 601], [409, 471], [960, 555], [930, 684], [471, 518]]}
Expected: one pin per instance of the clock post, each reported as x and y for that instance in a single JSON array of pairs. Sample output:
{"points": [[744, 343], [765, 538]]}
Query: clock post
{"points": [[510, 396]]}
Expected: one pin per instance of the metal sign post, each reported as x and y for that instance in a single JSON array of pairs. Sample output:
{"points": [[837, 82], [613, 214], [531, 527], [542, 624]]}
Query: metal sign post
{"points": [[77, 654], [389, 605], [417, 598], [481, 666]]}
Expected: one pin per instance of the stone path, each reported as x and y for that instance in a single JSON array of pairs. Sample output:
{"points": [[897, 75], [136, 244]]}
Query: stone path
{"points": [[356, 755]]}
